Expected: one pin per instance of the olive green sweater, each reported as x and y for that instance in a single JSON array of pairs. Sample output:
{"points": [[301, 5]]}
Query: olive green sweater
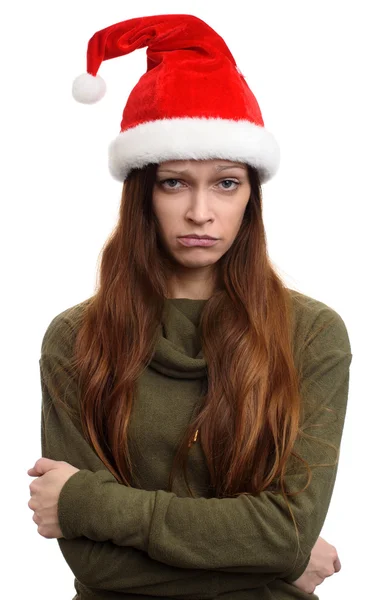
{"points": [[142, 543]]}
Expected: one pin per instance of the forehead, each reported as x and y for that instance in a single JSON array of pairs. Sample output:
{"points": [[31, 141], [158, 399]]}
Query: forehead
{"points": [[208, 163]]}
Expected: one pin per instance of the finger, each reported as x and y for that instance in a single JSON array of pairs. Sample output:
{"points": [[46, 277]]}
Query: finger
{"points": [[43, 465], [33, 472], [31, 504], [337, 565]]}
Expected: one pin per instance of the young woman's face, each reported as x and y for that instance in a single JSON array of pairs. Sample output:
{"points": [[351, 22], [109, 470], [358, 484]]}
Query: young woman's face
{"points": [[204, 197]]}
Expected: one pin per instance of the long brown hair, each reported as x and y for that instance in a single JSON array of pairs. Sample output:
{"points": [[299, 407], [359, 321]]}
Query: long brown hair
{"points": [[250, 414]]}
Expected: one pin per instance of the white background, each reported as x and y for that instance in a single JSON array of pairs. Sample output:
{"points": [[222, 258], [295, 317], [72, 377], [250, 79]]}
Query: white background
{"points": [[308, 64]]}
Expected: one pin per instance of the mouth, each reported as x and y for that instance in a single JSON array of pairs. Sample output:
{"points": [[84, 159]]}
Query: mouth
{"points": [[197, 241], [198, 237]]}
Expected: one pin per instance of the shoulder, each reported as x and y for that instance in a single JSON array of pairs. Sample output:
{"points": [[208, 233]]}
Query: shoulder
{"points": [[317, 323], [61, 331]]}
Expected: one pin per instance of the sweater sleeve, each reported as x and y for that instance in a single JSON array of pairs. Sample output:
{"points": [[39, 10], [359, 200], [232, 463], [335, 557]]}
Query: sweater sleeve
{"points": [[103, 564]]}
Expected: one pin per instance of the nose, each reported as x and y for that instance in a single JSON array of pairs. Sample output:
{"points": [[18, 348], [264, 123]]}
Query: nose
{"points": [[199, 205]]}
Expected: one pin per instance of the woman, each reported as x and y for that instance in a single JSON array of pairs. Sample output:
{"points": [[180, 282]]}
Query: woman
{"points": [[193, 407]]}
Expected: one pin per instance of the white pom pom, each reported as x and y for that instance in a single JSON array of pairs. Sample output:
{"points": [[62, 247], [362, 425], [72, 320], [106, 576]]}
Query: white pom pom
{"points": [[88, 88]]}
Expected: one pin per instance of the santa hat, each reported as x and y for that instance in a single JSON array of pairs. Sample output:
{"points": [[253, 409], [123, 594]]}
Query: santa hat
{"points": [[192, 103]]}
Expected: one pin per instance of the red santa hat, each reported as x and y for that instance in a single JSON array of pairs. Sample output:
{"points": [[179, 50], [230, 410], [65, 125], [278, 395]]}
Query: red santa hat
{"points": [[192, 103]]}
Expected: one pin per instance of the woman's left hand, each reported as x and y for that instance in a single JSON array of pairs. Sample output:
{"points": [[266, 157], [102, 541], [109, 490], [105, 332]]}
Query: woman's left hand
{"points": [[45, 490]]}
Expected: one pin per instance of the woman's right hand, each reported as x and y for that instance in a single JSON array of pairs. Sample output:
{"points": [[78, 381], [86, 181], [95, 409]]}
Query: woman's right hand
{"points": [[323, 563]]}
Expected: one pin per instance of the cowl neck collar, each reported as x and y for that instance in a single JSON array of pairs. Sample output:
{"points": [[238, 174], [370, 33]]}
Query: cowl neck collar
{"points": [[178, 351]]}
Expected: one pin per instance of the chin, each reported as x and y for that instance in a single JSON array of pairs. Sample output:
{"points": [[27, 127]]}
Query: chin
{"points": [[197, 262]]}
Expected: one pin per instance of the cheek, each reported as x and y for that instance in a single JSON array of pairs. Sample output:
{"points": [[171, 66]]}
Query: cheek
{"points": [[167, 213], [234, 218], [161, 205], [167, 221]]}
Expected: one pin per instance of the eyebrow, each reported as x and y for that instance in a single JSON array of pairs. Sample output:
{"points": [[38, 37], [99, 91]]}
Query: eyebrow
{"points": [[218, 168]]}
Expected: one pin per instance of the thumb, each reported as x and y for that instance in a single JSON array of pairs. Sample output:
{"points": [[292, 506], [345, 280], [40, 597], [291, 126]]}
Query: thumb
{"points": [[42, 465]]}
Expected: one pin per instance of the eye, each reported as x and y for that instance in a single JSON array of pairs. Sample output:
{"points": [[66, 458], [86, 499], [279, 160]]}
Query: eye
{"points": [[237, 183], [164, 181]]}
